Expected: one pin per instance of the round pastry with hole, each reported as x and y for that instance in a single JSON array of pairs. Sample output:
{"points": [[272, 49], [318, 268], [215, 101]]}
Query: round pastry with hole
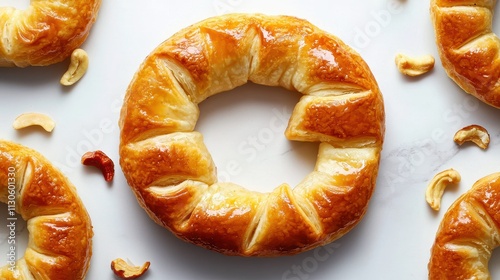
{"points": [[60, 230], [46, 32], [172, 173], [468, 233], [467, 46]]}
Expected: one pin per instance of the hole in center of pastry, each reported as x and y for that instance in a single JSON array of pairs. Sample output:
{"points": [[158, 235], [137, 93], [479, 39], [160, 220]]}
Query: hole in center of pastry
{"points": [[243, 130], [18, 4], [13, 236], [493, 266]]}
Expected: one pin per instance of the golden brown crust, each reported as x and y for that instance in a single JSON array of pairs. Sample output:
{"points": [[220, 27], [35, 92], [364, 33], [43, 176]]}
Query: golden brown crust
{"points": [[60, 230], [46, 32], [468, 48], [468, 233], [172, 173]]}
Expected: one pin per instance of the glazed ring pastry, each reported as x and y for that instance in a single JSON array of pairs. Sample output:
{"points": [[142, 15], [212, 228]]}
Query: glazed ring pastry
{"points": [[172, 173], [60, 230], [467, 46], [46, 32], [468, 233]]}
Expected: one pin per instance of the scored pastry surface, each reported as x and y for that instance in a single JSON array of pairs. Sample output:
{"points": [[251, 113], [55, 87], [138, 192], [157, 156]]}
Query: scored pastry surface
{"points": [[172, 173], [46, 32], [468, 233], [468, 47], [60, 229]]}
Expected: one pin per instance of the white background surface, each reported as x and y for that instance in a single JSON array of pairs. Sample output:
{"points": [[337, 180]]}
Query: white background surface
{"points": [[422, 114]]}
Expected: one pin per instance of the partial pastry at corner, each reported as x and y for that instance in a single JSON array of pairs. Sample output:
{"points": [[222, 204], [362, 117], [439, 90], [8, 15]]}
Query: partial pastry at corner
{"points": [[46, 32], [468, 233], [60, 230], [467, 46], [172, 174]]}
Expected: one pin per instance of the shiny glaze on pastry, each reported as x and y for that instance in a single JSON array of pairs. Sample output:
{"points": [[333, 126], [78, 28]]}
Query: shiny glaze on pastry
{"points": [[46, 32], [172, 173], [468, 233], [467, 46], [60, 230]]}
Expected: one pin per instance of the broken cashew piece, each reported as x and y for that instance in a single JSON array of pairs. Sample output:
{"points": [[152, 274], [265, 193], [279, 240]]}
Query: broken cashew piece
{"points": [[126, 270], [30, 119], [473, 133], [414, 66], [435, 189], [77, 68]]}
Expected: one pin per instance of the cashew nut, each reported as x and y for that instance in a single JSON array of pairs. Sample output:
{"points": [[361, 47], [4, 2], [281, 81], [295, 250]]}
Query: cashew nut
{"points": [[414, 66], [77, 67], [474, 133], [436, 187], [30, 119], [100, 160], [126, 270]]}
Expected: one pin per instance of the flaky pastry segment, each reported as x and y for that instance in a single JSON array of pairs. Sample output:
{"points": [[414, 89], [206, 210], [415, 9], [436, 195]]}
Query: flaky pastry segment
{"points": [[60, 229], [468, 47], [468, 233], [46, 32], [171, 171]]}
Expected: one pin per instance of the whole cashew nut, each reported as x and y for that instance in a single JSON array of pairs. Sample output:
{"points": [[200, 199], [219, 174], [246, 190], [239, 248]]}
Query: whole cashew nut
{"points": [[436, 187], [77, 68], [29, 119]]}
